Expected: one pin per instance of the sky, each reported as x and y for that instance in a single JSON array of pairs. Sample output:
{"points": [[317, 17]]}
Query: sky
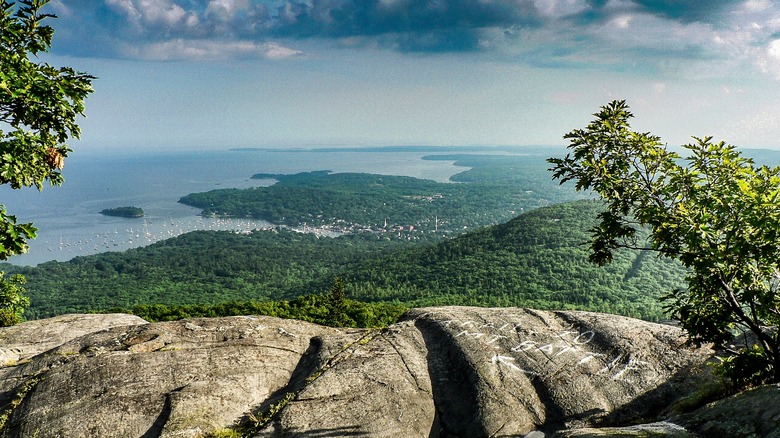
{"points": [[213, 74]]}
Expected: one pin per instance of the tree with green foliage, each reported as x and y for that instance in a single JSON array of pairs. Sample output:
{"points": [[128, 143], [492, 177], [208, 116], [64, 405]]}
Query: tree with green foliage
{"points": [[714, 211], [337, 304], [12, 300], [39, 105]]}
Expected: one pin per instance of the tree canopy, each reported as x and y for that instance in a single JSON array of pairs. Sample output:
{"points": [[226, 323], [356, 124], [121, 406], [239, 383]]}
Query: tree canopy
{"points": [[12, 299], [713, 210], [39, 105]]}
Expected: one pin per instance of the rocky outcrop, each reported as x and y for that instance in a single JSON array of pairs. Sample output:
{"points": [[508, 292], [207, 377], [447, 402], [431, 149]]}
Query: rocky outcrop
{"points": [[165, 379], [466, 372], [23, 341], [754, 413], [449, 371]]}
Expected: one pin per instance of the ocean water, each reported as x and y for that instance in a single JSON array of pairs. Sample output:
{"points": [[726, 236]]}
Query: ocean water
{"points": [[68, 219]]}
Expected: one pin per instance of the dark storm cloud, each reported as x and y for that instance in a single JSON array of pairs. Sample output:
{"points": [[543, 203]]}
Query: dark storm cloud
{"points": [[689, 11], [705, 11], [448, 25], [146, 28]]}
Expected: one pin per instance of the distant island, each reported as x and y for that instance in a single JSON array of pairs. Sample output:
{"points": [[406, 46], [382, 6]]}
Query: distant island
{"points": [[132, 212]]}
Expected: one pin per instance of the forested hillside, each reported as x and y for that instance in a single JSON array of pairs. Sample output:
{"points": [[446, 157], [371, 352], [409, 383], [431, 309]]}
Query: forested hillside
{"points": [[537, 260], [201, 267]]}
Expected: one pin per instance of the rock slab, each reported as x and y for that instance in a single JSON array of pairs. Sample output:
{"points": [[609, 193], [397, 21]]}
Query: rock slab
{"points": [[440, 372]]}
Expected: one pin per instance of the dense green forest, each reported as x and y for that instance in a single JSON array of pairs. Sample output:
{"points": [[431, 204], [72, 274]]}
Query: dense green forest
{"points": [[201, 267], [131, 212], [315, 308], [536, 260], [493, 190], [539, 260]]}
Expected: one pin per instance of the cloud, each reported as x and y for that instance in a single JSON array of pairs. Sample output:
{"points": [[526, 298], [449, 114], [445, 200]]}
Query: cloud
{"points": [[107, 27], [224, 10], [145, 14], [701, 11], [639, 34], [410, 25], [208, 50], [689, 11], [769, 62]]}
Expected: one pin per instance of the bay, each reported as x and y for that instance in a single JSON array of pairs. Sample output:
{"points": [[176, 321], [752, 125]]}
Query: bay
{"points": [[70, 224]]}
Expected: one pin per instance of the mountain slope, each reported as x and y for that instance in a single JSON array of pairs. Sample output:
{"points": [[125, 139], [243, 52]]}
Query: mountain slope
{"points": [[537, 259]]}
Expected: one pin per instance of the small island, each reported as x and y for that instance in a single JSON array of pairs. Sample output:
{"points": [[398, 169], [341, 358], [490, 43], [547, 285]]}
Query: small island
{"points": [[132, 212]]}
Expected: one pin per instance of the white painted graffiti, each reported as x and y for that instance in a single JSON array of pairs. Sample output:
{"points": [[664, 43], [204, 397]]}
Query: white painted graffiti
{"points": [[568, 348]]}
